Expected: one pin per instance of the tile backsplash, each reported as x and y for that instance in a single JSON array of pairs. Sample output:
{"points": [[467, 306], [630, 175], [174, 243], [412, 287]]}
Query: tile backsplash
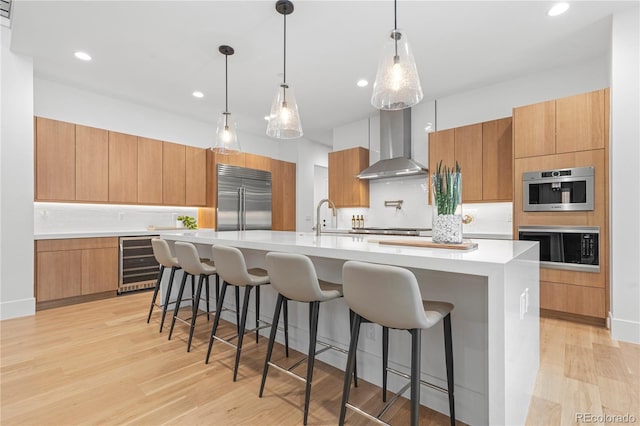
{"points": [[72, 217], [492, 218]]}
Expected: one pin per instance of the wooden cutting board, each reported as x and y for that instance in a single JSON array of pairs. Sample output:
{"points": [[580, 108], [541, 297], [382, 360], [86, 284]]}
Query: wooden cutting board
{"points": [[462, 246]]}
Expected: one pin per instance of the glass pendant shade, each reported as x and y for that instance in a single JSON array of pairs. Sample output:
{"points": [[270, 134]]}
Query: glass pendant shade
{"points": [[397, 84], [226, 135], [284, 119]]}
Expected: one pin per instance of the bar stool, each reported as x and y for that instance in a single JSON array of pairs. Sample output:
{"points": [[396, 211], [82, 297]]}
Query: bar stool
{"points": [[295, 279], [192, 265], [232, 269], [390, 296], [163, 256]]}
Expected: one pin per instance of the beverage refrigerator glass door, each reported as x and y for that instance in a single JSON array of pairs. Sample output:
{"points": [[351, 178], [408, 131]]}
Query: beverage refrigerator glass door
{"points": [[558, 190], [566, 247]]}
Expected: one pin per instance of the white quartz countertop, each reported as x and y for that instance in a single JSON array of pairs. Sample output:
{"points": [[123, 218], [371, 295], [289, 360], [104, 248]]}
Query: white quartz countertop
{"points": [[482, 260], [100, 234]]}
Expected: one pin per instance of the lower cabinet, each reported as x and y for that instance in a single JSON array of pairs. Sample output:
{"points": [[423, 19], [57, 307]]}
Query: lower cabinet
{"points": [[75, 267], [573, 299]]}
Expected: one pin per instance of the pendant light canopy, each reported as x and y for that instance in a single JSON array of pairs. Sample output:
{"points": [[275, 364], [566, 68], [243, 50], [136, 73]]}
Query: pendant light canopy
{"points": [[397, 84], [284, 119], [226, 132]]}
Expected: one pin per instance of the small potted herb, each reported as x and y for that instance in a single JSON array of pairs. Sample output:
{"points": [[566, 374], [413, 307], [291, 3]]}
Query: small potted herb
{"points": [[188, 222]]}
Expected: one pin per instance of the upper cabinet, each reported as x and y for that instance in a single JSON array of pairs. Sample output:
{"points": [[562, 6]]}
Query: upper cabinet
{"points": [[195, 176], [123, 168], [149, 171], [173, 174], [55, 160], [575, 123], [497, 160], [258, 162], [92, 164], [345, 189], [484, 153]]}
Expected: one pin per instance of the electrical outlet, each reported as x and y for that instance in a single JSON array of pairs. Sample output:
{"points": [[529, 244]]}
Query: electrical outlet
{"points": [[370, 332]]}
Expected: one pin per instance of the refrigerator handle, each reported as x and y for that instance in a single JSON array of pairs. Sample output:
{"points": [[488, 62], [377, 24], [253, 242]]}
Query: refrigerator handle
{"points": [[239, 213], [244, 208]]}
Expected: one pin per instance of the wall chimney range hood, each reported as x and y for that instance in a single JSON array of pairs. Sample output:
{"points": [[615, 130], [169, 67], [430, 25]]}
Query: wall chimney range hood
{"points": [[395, 148]]}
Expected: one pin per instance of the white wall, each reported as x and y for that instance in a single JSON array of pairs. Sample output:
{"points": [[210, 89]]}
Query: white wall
{"points": [[625, 176], [16, 183], [351, 135], [309, 155]]}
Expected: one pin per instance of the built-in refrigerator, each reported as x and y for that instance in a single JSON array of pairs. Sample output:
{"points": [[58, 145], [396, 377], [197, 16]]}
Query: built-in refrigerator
{"points": [[244, 198]]}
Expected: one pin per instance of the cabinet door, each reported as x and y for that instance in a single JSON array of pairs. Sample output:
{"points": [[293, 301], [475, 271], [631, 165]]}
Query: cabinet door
{"points": [[258, 162], [580, 122], [441, 147], [149, 171], [195, 176], [289, 196], [99, 270], [497, 159], [237, 159], [173, 174], [58, 274], [123, 168], [92, 164], [55, 160], [277, 195], [468, 153], [345, 189], [534, 130]]}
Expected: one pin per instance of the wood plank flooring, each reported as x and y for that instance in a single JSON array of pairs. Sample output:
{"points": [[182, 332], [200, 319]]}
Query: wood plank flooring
{"points": [[100, 363]]}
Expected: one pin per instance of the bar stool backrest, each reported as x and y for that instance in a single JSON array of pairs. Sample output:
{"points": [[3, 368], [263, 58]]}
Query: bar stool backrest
{"points": [[189, 259], [231, 265], [162, 253], [294, 276], [386, 295]]}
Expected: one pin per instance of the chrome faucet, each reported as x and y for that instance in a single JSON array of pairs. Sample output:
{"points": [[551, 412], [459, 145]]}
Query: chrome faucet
{"points": [[333, 207]]}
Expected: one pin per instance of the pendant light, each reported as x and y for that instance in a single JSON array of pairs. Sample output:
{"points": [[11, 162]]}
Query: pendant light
{"points": [[226, 132], [397, 84], [284, 120]]}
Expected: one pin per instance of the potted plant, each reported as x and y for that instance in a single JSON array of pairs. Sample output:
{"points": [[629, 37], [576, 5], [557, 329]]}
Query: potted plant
{"points": [[446, 192], [188, 222]]}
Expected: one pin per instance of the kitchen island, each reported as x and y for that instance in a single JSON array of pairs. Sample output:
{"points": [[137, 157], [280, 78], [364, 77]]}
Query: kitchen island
{"points": [[495, 323]]}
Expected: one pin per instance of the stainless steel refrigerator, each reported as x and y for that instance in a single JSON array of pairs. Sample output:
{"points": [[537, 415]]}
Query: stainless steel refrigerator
{"points": [[244, 198]]}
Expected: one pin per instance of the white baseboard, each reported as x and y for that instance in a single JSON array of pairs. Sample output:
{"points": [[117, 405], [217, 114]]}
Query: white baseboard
{"points": [[628, 331], [18, 308]]}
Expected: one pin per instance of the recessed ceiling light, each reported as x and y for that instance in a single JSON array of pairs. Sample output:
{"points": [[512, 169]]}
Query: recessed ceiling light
{"points": [[558, 9], [362, 83], [198, 94], [83, 56]]}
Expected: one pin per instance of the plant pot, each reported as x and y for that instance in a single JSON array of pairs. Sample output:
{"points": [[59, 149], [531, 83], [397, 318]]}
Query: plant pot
{"points": [[446, 198]]}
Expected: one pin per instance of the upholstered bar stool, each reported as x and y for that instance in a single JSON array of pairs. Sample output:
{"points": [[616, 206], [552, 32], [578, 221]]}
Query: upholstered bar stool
{"points": [[390, 296], [232, 269], [163, 256], [295, 279], [192, 265]]}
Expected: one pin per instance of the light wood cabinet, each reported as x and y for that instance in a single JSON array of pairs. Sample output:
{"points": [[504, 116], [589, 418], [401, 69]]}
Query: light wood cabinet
{"points": [[55, 153], [149, 171], [534, 130], [75, 267], [497, 160], [468, 153], [258, 162], [92, 164], [283, 196], [173, 174], [580, 122], [484, 153], [345, 189], [195, 176], [123, 168], [573, 299]]}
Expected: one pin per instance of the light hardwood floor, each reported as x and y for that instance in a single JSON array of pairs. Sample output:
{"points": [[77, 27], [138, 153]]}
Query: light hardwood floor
{"points": [[100, 363]]}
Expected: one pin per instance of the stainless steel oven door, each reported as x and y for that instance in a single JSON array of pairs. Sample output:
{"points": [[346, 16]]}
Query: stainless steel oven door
{"points": [[558, 190]]}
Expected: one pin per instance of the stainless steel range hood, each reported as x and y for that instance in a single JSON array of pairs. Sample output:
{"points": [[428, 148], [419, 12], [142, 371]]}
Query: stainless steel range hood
{"points": [[395, 148]]}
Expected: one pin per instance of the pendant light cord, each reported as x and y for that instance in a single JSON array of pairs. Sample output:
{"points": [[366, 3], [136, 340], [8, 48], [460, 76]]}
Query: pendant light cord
{"points": [[284, 67], [395, 29], [226, 84]]}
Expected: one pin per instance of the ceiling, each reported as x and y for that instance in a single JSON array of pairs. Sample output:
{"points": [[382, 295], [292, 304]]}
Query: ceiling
{"points": [[157, 53]]}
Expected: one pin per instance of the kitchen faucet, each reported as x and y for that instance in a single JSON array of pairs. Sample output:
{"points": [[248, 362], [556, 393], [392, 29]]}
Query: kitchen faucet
{"points": [[333, 207]]}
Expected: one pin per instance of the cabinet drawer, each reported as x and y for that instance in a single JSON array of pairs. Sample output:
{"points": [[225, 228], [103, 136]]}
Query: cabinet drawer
{"points": [[573, 299], [76, 244]]}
